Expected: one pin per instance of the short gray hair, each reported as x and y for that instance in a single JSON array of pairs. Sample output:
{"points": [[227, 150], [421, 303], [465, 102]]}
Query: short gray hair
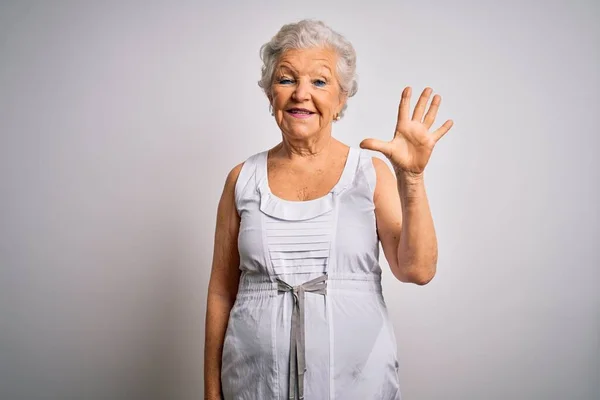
{"points": [[309, 34]]}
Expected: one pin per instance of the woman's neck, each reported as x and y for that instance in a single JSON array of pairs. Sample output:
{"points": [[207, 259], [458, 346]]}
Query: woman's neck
{"points": [[306, 149]]}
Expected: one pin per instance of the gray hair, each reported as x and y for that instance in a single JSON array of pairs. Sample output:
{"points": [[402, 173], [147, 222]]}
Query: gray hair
{"points": [[308, 34]]}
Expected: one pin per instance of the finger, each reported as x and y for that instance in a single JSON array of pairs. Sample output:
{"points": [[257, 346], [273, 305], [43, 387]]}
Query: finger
{"points": [[442, 130], [421, 104], [404, 108], [377, 145], [432, 112]]}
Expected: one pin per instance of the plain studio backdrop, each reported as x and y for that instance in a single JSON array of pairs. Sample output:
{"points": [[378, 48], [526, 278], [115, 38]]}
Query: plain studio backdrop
{"points": [[119, 122]]}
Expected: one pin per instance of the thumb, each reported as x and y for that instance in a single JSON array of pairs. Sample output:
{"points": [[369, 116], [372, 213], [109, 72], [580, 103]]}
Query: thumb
{"points": [[377, 145]]}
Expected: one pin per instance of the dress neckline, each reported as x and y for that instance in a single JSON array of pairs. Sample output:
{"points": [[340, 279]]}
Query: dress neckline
{"points": [[299, 210], [335, 189]]}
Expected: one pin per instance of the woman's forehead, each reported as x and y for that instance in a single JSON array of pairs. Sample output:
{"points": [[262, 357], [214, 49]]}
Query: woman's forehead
{"points": [[308, 59]]}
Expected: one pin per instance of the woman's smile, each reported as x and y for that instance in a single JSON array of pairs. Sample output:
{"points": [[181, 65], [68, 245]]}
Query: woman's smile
{"points": [[300, 113]]}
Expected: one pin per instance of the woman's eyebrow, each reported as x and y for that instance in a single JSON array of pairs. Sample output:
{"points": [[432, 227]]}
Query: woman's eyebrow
{"points": [[288, 67], [323, 70], [318, 67], [323, 64]]}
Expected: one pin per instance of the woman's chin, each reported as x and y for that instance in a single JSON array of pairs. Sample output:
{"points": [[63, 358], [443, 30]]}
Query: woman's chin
{"points": [[300, 133]]}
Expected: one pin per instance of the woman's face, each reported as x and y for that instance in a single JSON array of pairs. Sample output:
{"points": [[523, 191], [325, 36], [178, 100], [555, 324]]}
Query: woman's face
{"points": [[305, 94]]}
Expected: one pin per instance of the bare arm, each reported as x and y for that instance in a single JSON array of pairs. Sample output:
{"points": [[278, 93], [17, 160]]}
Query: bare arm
{"points": [[222, 287], [405, 225]]}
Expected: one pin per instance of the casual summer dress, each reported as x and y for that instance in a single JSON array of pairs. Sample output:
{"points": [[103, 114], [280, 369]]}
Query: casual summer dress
{"points": [[309, 320]]}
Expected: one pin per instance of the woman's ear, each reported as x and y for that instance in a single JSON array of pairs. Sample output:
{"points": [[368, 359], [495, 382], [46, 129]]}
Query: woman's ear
{"points": [[270, 97], [343, 99]]}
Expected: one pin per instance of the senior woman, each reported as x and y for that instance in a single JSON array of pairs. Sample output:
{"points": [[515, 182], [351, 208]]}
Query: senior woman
{"points": [[295, 308]]}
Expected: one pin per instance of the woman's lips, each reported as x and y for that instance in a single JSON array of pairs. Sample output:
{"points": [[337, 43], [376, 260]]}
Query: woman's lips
{"points": [[300, 115]]}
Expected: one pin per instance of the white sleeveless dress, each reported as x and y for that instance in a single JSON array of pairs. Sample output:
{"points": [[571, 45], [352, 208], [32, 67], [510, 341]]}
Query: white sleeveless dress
{"points": [[309, 321]]}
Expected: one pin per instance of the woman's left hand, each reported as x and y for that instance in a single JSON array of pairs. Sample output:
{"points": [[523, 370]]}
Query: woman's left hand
{"points": [[410, 149]]}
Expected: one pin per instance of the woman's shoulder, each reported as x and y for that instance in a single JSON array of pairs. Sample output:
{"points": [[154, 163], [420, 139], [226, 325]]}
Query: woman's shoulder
{"points": [[239, 169], [231, 181], [243, 175], [234, 174], [373, 168]]}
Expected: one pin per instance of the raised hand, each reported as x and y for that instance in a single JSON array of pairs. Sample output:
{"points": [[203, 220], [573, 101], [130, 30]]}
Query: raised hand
{"points": [[410, 149]]}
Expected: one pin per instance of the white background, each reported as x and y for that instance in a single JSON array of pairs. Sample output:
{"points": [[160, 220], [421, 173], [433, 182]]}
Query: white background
{"points": [[119, 122]]}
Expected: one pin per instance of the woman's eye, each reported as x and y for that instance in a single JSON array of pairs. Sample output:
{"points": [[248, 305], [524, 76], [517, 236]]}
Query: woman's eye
{"points": [[285, 81], [320, 82]]}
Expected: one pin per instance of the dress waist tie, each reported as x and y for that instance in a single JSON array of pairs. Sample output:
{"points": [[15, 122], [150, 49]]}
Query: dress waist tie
{"points": [[297, 345]]}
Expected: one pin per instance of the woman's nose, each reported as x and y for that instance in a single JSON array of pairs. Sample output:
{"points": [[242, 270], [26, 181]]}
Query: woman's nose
{"points": [[302, 91]]}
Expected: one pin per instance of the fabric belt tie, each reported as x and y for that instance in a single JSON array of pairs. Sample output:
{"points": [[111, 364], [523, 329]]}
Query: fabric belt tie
{"points": [[297, 344]]}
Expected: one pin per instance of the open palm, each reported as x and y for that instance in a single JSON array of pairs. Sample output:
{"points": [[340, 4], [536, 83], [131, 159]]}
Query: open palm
{"points": [[412, 145]]}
